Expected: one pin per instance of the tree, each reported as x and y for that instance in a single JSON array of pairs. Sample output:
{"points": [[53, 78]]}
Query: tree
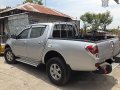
{"points": [[105, 20], [94, 21], [31, 1], [87, 20], [34, 1]]}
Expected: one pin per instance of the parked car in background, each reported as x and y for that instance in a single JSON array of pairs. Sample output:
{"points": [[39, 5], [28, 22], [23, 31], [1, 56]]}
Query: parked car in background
{"points": [[60, 47], [2, 43], [2, 46]]}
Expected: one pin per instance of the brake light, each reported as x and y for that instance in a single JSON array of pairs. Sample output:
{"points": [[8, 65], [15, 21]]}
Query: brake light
{"points": [[92, 49]]}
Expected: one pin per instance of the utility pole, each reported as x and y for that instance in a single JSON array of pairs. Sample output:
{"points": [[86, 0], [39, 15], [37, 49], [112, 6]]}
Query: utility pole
{"points": [[45, 2]]}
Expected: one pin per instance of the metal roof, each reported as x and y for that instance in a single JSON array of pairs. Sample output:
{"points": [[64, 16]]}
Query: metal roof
{"points": [[31, 7]]}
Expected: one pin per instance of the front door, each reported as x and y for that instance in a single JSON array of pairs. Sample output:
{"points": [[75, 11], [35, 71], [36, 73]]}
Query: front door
{"points": [[19, 48], [36, 42]]}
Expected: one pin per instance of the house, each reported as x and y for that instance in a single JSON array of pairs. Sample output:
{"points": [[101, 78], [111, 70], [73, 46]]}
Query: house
{"points": [[13, 20]]}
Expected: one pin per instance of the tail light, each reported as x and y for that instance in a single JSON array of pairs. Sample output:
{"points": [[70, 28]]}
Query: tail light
{"points": [[92, 49]]}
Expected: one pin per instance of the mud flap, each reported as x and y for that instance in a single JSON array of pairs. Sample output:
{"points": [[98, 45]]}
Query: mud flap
{"points": [[104, 68], [117, 59]]}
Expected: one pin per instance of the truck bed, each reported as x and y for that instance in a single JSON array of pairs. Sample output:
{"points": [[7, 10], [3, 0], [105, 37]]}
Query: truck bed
{"points": [[108, 48]]}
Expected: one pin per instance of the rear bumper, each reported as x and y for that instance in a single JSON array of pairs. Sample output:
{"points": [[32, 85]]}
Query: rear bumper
{"points": [[107, 66], [103, 68]]}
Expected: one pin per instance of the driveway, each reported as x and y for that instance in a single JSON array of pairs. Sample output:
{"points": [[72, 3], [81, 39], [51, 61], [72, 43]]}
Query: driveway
{"points": [[24, 77]]}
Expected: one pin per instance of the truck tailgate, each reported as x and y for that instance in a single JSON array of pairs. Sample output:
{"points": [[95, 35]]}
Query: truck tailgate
{"points": [[108, 48]]}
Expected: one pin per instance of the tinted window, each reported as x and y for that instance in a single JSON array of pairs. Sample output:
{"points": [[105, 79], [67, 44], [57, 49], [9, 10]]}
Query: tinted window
{"points": [[63, 31], [24, 34], [71, 31], [56, 31], [37, 32]]}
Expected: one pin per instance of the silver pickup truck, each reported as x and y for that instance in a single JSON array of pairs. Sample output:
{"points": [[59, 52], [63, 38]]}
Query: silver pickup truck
{"points": [[60, 47]]}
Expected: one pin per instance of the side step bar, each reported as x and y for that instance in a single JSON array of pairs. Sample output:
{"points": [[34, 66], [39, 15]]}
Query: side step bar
{"points": [[30, 62]]}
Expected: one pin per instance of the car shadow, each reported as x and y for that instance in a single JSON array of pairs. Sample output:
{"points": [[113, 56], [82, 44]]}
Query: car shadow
{"points": [[117, 59], [79, 80], [90, 81]]}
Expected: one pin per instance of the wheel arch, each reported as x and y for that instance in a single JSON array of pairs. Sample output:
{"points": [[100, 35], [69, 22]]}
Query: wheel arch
{"points": [[51, 54], [7, 46]]}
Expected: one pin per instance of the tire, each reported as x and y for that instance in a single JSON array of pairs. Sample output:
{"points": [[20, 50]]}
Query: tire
{"points": [[9, 56], [58, 72]]}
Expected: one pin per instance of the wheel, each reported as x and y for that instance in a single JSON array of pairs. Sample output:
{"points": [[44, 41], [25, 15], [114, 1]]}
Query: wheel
{"points": [[57, 71], [9, 56]]}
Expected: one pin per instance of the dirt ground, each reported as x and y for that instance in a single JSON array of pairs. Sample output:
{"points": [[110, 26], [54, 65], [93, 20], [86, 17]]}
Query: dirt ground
{"points": [[24, 77]]}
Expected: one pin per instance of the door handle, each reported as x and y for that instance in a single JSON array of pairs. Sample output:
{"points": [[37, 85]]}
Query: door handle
{"points": [[40, 42]]}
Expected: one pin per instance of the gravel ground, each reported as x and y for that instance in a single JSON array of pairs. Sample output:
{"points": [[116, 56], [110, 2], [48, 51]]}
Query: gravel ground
{"points": [[24, 77]]}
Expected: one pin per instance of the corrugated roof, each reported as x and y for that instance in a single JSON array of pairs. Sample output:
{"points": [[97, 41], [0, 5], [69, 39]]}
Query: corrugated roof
{"points": [[31, 7]]}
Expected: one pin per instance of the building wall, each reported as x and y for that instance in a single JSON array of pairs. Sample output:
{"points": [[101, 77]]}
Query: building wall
{"points": [[1, 27], [17, 23], [77, 22], [42, 18]]}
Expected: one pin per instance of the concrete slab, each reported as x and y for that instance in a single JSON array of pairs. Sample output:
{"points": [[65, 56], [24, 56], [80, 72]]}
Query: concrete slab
{"points": [[24, 77]]}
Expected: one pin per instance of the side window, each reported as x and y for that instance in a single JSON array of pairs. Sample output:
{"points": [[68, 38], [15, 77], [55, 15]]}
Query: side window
{"points": [[37, 32], [24, 34], [57, 31], [71, 31], [64, 31]]}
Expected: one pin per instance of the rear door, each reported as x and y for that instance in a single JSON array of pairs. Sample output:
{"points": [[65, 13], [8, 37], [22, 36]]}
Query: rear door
{"points": [[36, 42]]}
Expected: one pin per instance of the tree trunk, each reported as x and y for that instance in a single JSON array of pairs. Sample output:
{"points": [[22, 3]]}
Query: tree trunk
{"points": [[104, 27]]}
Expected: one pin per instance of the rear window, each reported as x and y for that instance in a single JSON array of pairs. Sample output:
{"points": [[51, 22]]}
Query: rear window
{"points": [[64, 31]]}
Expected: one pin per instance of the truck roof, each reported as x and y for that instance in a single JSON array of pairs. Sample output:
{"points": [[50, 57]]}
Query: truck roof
{"points": [[52, 23]]}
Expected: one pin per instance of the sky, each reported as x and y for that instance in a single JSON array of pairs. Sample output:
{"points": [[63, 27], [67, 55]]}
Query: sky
{"points": [[76, 8]]}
